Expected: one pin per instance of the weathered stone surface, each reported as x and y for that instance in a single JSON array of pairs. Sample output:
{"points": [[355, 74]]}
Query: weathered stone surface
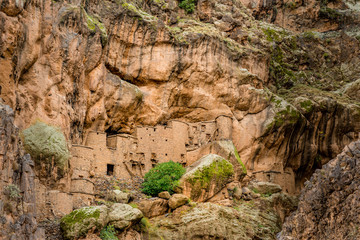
{"points": [[164, 195], [119, 196], [130, 235], [177, 200], [17, 182], [264, 187], [80, 221], [247, 194], [206, 177], [283, 204], [73, 65], [123, 215], [224, 148], [234, 189], [153, 207], [329, 204], [61, 203], [212, 221]]}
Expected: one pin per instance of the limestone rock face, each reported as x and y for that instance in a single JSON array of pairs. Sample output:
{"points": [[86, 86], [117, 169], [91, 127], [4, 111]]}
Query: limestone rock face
{"points": [[73, 65], [225, 149], [212, 221], [291, 93], [17, 182], [177, 200], [206, 177], [329, 204], [153, 207]]}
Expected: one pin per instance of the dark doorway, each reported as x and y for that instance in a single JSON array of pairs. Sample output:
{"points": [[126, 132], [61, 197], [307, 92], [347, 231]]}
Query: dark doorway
{"points": [[110, 170]]}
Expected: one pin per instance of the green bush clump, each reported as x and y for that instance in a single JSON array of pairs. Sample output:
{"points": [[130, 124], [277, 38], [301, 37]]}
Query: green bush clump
{"points": [[12, 191], [188, 5], [163, 177], [46, 143], [108, 233]]}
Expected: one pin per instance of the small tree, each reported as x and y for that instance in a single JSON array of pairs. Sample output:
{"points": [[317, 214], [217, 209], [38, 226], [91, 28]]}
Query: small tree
{"points": [[163, 177], [188, 5]]}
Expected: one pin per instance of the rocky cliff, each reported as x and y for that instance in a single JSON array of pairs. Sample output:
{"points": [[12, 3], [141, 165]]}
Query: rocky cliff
{"points": [[114, 65], [17, 184], [285, 72], [329, 203]]}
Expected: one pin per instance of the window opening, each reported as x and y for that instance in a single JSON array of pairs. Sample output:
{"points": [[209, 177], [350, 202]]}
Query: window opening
{"points": [[110, 170]]}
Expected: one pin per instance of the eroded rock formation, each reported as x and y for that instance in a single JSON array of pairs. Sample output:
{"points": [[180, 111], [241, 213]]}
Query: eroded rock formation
{"points": [[329, 203], [113, 66], [17, 184], [284, 74]]}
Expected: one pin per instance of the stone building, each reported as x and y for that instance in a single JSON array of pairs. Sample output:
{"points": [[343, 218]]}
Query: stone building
{"points": [[124, 155]]}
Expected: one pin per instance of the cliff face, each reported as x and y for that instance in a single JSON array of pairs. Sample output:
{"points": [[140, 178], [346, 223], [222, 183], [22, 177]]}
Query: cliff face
{"points": [[329, 203], [286, 72], [111, 66], [17, 184]]}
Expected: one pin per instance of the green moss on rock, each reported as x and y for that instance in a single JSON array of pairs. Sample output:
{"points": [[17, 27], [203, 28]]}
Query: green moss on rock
{"points": [[307, 105], [237, 156], [45, 143], [215, 171], [92, 22], [80, 221]]}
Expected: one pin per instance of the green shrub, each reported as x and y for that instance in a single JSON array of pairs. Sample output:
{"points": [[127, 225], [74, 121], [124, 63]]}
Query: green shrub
{"points": [[12, 191], [188, 5], [44, 143], [108, 233], [163, 177]]}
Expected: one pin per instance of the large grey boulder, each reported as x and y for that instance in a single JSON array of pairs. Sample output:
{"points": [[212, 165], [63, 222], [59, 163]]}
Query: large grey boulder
{"points": [[119, 196], [79, 222], [123, 215]]}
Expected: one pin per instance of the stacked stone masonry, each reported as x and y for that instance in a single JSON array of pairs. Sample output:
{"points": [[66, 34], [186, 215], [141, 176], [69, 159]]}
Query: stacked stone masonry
{"points": [[125, 156]]}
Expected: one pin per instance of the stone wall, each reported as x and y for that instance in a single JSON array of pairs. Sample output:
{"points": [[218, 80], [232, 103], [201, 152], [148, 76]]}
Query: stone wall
{"points": [[133, 155]]}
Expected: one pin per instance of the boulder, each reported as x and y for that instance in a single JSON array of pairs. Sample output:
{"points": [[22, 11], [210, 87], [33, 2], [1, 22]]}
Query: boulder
{"points": [[153, 207], [246, 194], [265, 187], [119, 196], [206, 177], [177, 200], [225, 149], [237, 193], [234, 189], [123, 215], [164, 195], [213, 221], [80, 221]]}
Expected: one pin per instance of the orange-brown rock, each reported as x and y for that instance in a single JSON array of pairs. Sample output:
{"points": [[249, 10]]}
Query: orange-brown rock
{"points": [[177, 200], [164, 195], [289, 95], [153, 207]]}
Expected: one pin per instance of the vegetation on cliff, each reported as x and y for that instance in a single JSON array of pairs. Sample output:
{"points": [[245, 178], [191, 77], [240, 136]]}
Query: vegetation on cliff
{"points": [[46, 144], [163, 177]]}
